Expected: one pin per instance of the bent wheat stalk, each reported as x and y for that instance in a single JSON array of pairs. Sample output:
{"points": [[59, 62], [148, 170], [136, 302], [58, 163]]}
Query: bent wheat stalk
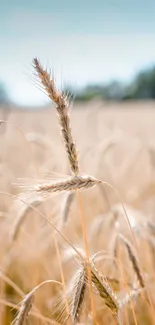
{"points": [[21, 217], [133, 260], [27, 303]]}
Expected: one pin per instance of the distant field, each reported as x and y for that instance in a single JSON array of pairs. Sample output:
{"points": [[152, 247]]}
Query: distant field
{"points": [[116, 143]]}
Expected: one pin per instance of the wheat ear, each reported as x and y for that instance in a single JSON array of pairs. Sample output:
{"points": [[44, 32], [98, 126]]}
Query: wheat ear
{"points": [[21, 217], [39, 139], [66, 206], [28, 301], [133, 294], [151, 227], [104, 289], [77, 292], [133, 260], [70, 184], [25, 309], [62, 107]]}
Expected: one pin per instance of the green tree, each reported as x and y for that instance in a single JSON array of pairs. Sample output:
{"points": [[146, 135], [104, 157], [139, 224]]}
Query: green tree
{"points": [[143, 86]]}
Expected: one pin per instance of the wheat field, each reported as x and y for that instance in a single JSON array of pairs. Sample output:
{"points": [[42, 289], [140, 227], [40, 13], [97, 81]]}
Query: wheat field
{"points": [[85, 252]]}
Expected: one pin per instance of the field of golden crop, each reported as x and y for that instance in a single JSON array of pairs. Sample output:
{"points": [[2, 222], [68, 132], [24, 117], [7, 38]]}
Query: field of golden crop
{"points": [[116, 144]]}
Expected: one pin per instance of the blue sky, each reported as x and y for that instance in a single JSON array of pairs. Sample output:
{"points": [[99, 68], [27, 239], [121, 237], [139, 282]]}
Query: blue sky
{"points": [[82, 41]]}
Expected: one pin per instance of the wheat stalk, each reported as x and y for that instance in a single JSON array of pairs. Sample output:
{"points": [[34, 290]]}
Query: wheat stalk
{"points": [[133, 260], [62, 109]]}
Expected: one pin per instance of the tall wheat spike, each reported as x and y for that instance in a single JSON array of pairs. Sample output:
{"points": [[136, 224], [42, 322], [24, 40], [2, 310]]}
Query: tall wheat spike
{"points": [[75, 183], [61, 103]]}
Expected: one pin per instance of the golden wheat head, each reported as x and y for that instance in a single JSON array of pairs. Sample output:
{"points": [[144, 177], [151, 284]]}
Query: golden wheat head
{"points": [[61, 103]]}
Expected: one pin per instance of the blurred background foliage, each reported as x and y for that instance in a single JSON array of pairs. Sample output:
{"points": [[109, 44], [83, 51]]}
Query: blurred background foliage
{"points": [[142, 87]]}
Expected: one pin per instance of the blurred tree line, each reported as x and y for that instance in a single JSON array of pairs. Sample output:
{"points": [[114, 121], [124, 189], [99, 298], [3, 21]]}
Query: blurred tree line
{"points": [[141, 87]]}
